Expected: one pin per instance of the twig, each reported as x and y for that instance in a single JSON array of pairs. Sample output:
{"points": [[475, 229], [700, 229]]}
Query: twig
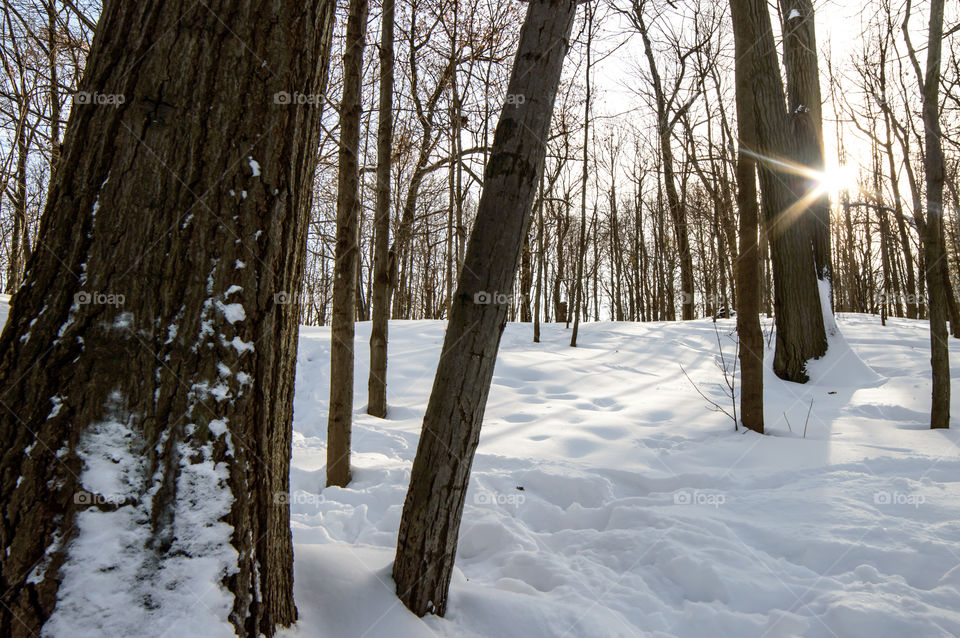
{"points": [[716, 406], [808, 418]]}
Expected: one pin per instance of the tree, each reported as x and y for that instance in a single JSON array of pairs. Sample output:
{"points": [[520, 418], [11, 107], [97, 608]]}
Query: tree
{"points": [[749, 331], [670, 110], [584, 177], [433, 508], [346, 254], [804, 102], [146, 367], [799, 319], [934, 251], [377, 381]]}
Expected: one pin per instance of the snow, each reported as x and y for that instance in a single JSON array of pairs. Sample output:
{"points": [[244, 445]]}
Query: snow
{"points": [[643, 513], [232, 312], [794, 14], [606, 498]]}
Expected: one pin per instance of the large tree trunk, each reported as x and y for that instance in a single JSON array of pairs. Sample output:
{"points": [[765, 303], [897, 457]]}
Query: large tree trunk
{"points": [[748, 265], [799, 319], [146, 366], [804, 102], [346, 253], [377, 381], [430, 523]]}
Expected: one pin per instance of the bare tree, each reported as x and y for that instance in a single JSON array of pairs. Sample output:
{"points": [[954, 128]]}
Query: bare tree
{"points": [[377, 382], [750, 334], [934, 252], [433, 508]]}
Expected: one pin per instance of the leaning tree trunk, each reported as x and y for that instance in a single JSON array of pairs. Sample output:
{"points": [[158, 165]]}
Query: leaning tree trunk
{"points": [[377, 381], [451, 426], [147, 367], [799, 319], [749, 332]]}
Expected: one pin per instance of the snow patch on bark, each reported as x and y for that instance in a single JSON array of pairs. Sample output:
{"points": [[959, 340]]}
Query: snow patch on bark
{"points": [[113, 581]]}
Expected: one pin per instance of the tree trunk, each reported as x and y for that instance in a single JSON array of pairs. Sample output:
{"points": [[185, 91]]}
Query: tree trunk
{"points": [[430, 523], [582, 242], [540, 258], [678, 214], [799, 319], [750, 333], [54, 87], [19, 234], [377, 381], [804, 102], [148, 365], [346, 253], [934, 248]]}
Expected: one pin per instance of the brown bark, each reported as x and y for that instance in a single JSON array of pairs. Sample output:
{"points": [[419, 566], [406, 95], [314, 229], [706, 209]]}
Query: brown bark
{"points": [[804, 102], [346, 253], [158, 201], [377, 381], [433, 508], [799, 319], [932, 232], [751, 346]]}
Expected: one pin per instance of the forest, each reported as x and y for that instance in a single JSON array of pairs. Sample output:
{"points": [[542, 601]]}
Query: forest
{"points": [[685, 275]]}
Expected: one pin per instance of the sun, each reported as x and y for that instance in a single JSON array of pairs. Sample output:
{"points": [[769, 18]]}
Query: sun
{"points": [[835, 179]]}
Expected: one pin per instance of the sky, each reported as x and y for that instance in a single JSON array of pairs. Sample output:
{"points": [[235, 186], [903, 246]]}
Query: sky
{"points": [[839, 24]]}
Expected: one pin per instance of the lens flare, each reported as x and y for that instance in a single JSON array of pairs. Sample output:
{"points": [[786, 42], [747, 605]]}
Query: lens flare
{"points": [[836, 179]]}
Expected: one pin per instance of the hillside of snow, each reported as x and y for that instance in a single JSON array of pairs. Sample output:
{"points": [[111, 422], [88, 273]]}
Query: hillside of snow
{"points": [[608, 500]]}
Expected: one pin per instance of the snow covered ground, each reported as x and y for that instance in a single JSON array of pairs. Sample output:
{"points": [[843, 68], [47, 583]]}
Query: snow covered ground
{"points": [[607, 500]]}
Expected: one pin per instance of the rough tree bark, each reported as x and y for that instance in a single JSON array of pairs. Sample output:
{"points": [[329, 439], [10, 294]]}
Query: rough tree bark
{"points": [[799, 319], [430, 523], [346, 252], [750, 333], [377, 381], [148, 341], [804, 103]]}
